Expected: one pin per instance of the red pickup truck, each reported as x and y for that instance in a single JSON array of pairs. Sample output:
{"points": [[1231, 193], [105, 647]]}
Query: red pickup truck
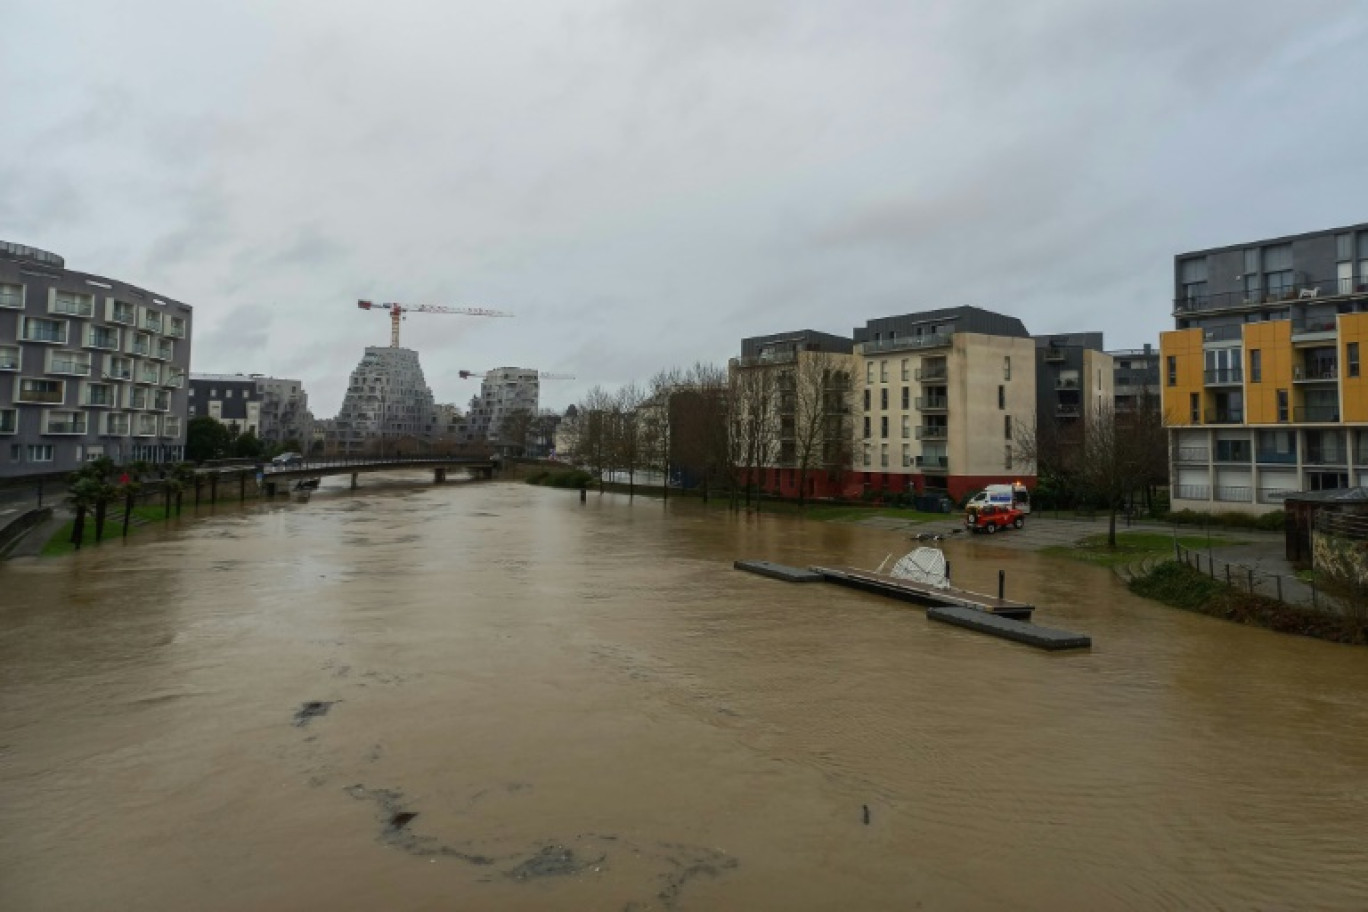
{"points": [[991, 517]]}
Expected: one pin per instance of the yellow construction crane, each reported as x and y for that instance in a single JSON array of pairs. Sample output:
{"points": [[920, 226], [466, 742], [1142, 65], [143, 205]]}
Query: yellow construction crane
{"points": [[397, 312]]}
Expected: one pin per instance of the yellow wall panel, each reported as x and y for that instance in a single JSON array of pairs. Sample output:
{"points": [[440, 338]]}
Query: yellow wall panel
{"points": [[1353, 390], [1185, 347], [1273, 340]]}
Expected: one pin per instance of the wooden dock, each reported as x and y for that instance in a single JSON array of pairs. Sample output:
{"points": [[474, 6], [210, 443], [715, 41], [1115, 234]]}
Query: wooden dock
{"points": [[923, 594]]}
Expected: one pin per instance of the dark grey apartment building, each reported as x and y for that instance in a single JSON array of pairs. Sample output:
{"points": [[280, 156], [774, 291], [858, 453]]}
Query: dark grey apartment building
{"points": [[1075, 378], [274, 409], [89, 366]]}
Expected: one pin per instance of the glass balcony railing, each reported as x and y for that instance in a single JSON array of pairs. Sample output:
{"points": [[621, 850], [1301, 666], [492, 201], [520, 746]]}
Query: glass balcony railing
{"points": [[1224, 375], [932, 403], [932, 432], [1273, 457], [1309, 290], [1314, 413], [1225, 416], [932, 374]]}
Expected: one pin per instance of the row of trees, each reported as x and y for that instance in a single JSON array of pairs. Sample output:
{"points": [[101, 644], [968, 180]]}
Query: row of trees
{"points": [[716, 429], [208, 438]]}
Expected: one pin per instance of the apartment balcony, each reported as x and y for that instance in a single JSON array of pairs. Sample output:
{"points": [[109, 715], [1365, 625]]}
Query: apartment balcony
{"points": [[1321, 456], [938, 374], [9, 360], [107, 340], [37, 332], [1233, 494], [932, 403], [101, 397], [1191, 492], [1218, 335], [176, 330], [74, 424], [1224, 416], [1319, 330], [1192, 455], [1311, 414], [1066, 383], [1272, 457], [78, 367], [1315, 373], [904, 343], [933, 432], [1068, 410], [1224, 376], [1305, 290], [1053, 354], [116, 428], [141, 349], [767, 359], [83, 308], [124, 315]]}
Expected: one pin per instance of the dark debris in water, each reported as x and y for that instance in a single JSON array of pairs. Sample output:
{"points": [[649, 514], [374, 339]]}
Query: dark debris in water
{"points": [[554, 861], [677, 865], [312, 710]]}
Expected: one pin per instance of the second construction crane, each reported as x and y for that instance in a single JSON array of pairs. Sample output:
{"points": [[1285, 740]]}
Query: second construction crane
{"points": [[397, 312]]}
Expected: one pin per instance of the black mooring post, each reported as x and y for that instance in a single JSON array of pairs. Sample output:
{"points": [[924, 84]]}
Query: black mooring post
{"points": [[584, 495], [947, 571], [1002, 583]]}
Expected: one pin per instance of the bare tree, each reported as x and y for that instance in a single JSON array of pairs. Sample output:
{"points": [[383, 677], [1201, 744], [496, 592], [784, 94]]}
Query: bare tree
{"points": [[754, 431], [818, 389], [657, 429], [628, 451], [515, 430], [594, 438], [1113, 455], [699, 412]]}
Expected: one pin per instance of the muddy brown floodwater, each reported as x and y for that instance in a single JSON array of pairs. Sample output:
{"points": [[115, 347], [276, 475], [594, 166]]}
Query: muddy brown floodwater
{"points": [[494, 697]]}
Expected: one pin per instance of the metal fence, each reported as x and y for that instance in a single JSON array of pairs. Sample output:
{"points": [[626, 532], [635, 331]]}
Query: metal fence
{"points": [[1253, 579]]}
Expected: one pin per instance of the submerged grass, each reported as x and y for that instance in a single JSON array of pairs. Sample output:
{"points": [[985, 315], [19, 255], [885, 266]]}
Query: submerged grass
{"points": [[1184, 587], [60, 543], [1132, 547]]}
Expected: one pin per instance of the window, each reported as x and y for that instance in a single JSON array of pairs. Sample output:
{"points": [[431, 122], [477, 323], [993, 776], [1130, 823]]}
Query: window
{"points": [[883, 371], [122, 312], [1195, 407], [883, 427], [866, 454], [1007, 426], [906, 398], [12, 296], [907, 454], [866, 429], [905, 374], [1006, 367], [1171, 363], [866, 399], [1255, 365], [1192, 276], [869, 376], [1002, 396], [1007, 456], [906, 426], [9, 421], [1351, 358], [1282, 405], [883, 455], [37, 329], [9, 357], [40, 452], [15, 451], [883, 398]]}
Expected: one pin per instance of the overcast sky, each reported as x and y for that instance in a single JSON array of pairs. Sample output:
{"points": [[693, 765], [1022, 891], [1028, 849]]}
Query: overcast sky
{"points": [[645, 182]]}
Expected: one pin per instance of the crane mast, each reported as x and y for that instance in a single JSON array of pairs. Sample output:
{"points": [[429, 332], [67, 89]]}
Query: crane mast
{"points": [[397, 312]]}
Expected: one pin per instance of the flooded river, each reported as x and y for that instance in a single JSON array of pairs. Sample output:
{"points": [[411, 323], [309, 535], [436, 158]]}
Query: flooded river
{"points": [[494, 697]]}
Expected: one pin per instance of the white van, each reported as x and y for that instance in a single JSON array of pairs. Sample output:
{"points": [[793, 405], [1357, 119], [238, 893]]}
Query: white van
{"points": [[1003, 495]]}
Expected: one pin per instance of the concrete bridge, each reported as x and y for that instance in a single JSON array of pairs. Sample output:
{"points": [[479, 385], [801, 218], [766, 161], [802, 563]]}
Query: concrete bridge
{"points": [[279, 478]]}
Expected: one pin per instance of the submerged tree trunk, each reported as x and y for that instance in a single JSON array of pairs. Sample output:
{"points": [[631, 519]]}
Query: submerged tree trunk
{"points": [[101, 506], [78, 527]]}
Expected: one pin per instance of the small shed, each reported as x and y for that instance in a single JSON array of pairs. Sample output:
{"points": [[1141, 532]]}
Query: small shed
{"points": [[1303, 509]]}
